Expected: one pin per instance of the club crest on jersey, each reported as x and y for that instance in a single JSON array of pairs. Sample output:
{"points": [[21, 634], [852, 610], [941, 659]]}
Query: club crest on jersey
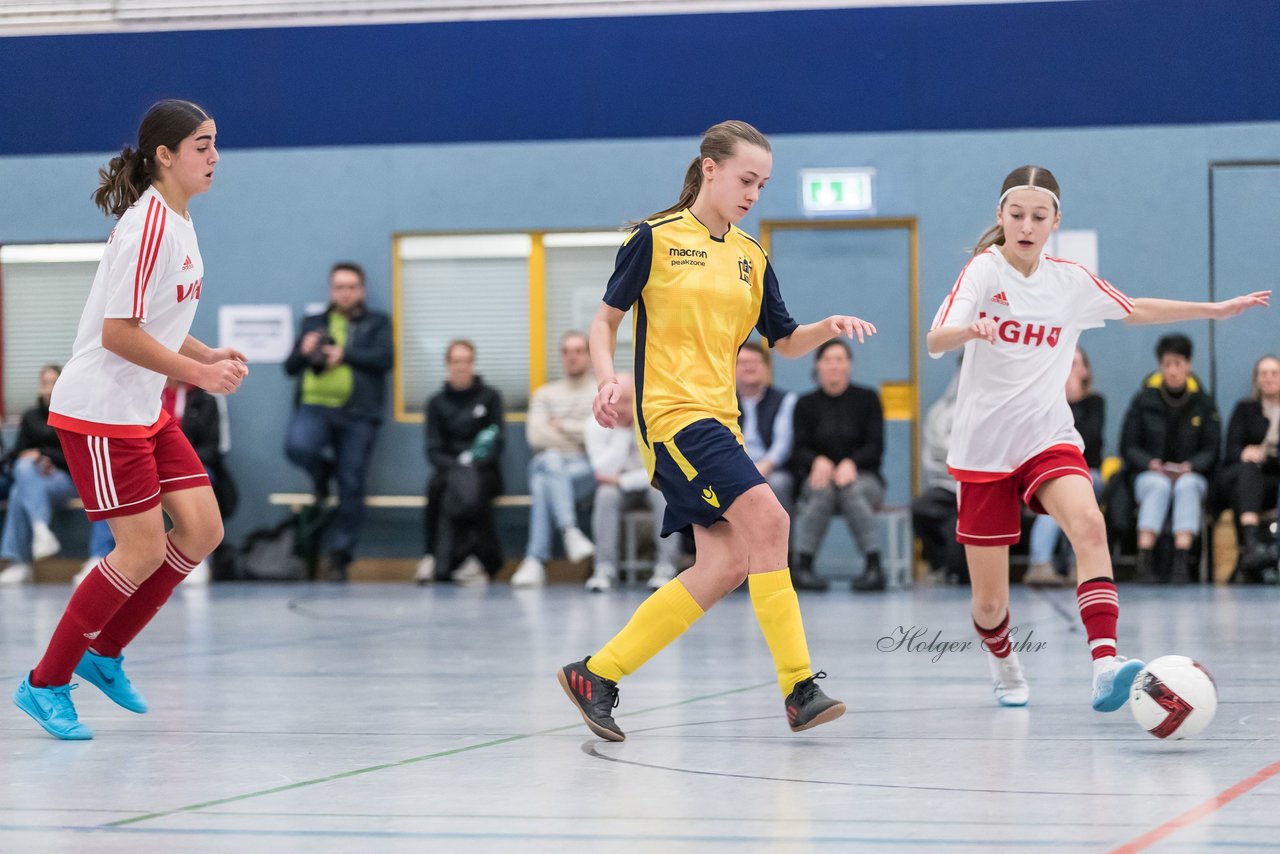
{"points": [[191, 291], [1030, 334], [744, 270]]}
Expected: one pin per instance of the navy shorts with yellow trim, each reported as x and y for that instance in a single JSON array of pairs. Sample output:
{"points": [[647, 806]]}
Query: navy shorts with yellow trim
{"points": [[701, 472]]}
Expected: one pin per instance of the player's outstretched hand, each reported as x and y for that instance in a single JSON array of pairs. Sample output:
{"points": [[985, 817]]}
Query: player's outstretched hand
{"points": [[605, 406], [1238, 305], [848, 326], [223, 377], [984, 328]]}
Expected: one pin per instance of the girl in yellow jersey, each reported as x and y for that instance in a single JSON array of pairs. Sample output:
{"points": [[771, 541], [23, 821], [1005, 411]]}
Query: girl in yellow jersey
{"points": [[699, 285]]}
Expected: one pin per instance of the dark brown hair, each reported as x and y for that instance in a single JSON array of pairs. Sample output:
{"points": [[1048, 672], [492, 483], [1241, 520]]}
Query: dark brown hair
{"points": [[718, 143], [133, 170], [350, 267], [1023, 176]]}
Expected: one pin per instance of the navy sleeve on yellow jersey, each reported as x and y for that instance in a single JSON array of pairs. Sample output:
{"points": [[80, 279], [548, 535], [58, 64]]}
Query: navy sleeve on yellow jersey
{"points": [[631, 269], [775, 321]]}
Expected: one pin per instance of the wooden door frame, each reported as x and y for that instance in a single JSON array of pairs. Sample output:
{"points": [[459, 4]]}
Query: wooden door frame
{"points": [[911, 225]]}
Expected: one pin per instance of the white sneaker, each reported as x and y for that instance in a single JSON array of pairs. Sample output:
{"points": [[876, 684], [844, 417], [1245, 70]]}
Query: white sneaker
{"points": [[577, 545], [1112, 678], [530, 573], [1009, 684], [426, 572], [85, 569], [470, 573], [602, 578], [662, 573], [15, 574], [43, 542], [198, 576]]}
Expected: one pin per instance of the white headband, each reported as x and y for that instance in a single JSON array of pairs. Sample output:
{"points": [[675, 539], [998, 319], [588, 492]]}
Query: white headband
{"points": [[1051, 193]]}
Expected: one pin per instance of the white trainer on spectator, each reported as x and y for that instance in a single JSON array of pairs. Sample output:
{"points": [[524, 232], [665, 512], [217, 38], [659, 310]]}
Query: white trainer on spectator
{"points": [[530, 573], [426, 570], [470, 573], [602, 578], [662, 573], [43, 542], [15, 574], [199, 575], [577, 545]]}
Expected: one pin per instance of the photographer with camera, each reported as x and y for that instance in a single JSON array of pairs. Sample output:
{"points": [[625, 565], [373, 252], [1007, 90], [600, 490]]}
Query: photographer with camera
{"points": [[343, 356]]}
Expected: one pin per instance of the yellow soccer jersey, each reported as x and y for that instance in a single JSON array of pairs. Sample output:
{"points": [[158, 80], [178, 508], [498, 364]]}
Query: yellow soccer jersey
{"points": [[696, 301]]}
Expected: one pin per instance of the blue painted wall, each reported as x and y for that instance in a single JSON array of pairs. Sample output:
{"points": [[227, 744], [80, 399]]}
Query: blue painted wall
{"points": [[277, 218], [1083, 63]]}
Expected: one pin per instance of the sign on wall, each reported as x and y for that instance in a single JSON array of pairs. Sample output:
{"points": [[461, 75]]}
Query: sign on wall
{"points": [[264, 333], [833, 191]]}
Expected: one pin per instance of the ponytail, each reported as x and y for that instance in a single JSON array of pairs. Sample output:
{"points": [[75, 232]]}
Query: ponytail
{"points": [[1023, 176], [689, 192], [993, 236], [126, 178], [133, 170], [718, 143]]}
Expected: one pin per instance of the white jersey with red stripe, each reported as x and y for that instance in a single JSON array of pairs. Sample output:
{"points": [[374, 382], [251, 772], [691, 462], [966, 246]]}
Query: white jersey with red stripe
{"points": [[1011, 403], [151, 270]]}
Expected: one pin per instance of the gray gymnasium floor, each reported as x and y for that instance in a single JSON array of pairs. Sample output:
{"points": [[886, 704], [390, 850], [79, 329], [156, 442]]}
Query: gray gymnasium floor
{"points": [[382, 717]]}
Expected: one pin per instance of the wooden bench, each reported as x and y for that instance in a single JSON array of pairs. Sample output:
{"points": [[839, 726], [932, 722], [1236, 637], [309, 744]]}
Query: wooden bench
{"points": [[295, 501]]}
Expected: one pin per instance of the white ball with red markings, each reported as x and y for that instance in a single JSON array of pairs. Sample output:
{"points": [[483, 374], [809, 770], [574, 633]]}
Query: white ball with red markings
{"points": [[1173, 697]]}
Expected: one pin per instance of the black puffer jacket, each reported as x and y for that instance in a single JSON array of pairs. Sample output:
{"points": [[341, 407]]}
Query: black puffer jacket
{"points": [[455, 417], [1196, 428]]}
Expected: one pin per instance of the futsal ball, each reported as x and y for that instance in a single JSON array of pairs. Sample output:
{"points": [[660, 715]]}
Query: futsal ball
{"points": [[1173, 697]]}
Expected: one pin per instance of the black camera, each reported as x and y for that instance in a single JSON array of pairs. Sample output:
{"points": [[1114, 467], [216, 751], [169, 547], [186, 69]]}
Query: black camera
{"points": [[318, 362]]}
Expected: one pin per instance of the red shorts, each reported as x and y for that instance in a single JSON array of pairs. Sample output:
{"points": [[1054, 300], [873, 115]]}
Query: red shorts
{"points": [[121, 477], [988, 511]]}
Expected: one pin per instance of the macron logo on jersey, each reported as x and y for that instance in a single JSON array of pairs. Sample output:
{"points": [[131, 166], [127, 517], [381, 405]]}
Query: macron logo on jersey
{"points": [[1030, 334], [998, 299], [187, 265], [191, 291]]}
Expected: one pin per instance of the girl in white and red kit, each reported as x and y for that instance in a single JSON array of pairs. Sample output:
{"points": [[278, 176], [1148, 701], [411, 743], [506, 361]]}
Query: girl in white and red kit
{"points": [[130, 461], [1018, 314]]}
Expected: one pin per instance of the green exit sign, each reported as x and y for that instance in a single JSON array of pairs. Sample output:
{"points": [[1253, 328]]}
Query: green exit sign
{"points": [[825, 191]]}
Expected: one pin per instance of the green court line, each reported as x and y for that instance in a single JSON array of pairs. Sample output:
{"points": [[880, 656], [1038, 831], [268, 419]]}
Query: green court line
{"points": [[411, 761]]}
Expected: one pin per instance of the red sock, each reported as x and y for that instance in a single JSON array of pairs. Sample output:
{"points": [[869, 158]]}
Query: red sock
{"points": [[996, 640], [100, 596], [1099, 611], [145, 604]]}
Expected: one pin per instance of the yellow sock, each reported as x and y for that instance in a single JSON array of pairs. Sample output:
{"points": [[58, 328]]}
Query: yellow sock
{"points": [[658, 621], [778, 612]]}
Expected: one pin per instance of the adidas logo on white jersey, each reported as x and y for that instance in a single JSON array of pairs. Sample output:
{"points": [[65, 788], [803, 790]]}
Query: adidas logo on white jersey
{"points": [[187, 265], [998, 299]]}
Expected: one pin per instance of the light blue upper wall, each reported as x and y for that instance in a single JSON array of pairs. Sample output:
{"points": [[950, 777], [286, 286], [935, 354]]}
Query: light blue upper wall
{"points": [[277, 218]]}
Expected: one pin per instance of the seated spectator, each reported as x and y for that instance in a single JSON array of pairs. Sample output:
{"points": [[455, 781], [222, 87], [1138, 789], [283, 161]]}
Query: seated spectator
{"points": [[1250, 475], [464, 446], [839, 441], [933, 512], [343, 357], [559, 473], [766, 420], [1089, 410], [40, 482], [1170, 447], [622, 483], [203, 418]]}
